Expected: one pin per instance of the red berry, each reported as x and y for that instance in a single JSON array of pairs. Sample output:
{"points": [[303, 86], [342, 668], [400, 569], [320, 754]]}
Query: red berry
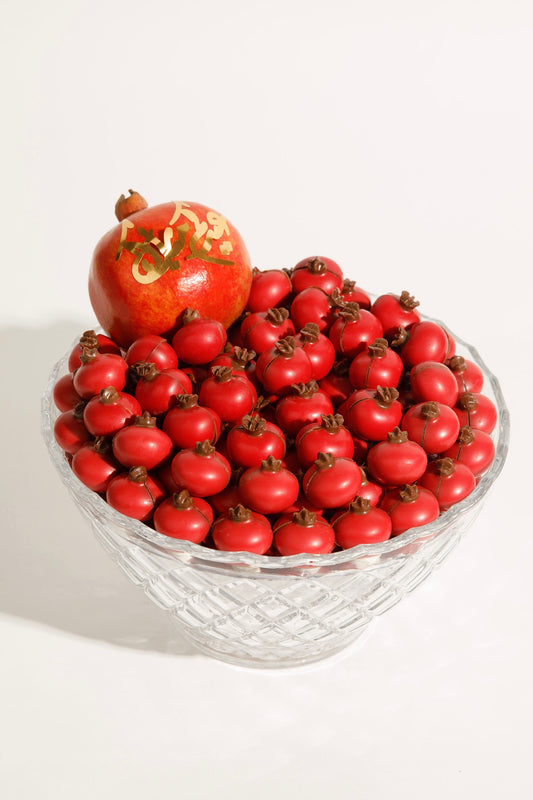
{"points": [[69, 429], [187, 422], [97, 371], [202, 470], [395, 311], [261, 330], [199, 339], [353, 330], [184, 517], [317, 271], [134, 493], [303, 532], [375, 366], [468, 375], [241, 528], [304, 405], [94, 464], [156, 389], [477, 411], [270, 288], [269, 488], [109, 411], [433, 425], [232, 396], [331, 482], [474, 448], [449, 481], [397, 460], [64, 394], [142, 444], [154, 349], [92, 341], [328, 436], [431, 380], [425, 341], [251, 442], [283, 365], [350, 293], [318, 348], [372, 414], [409, 507], [361, 523]]}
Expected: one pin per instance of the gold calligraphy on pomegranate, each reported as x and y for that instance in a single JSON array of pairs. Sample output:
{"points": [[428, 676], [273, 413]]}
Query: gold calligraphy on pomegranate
{"points": [[153, 256]]}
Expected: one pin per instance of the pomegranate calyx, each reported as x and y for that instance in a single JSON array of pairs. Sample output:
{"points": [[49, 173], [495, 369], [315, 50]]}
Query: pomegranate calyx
{"points": [[385, 396], [109, 395], [444, 466], [466, 435], [350, 312], [332, 422], [309, 333], [222, 374], [126, 206], [397, 436], [138, 474], [456, 363], [325, 460], [316, 266], [408, 493], [145, 420], [204, 448], [189, 315], [378, 348], [430, 410], [239, 513], [467, 401], [407, 301], [277, 316], [102, 445], [305, 389], [271, 464], [400, 337], [182, 499], [146, 370], [285, 347], [187, 400], [253, 424], [360, 505], [304, 517]]}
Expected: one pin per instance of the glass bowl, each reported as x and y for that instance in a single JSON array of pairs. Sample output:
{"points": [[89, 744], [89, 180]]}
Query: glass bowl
{"points": [[267, 611]]}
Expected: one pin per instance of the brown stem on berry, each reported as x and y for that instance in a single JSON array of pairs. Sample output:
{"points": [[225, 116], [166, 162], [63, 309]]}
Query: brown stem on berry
{"points": [[187, 400], [271, 464], [102, 445], [336, 300], [444, 466], [138, 474], [189, 315], [325, 460], [364, 476], [466, 435], [456, 363], [304, 517], [255, 271], [109, 395], [378, 348], [145, 420], [89, 339], [309, 333], [350, 312], [277, 316], [305, 389], [386, 395], [239, 513], [222, 374], [407, 301], [360, 505], [204, 448], [241, 357], [332, 422], [126, 206], [467, 401], [77, 411], [146, 370], [88, 354], [397, 436], [253, 424], [430, 410], [347, 286], [400, 337], [261, 403], [286, 347], [408, 493], [182, 500], [316, 266]]}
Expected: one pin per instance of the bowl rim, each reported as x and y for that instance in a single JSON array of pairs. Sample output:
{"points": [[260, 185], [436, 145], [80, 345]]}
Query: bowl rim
{"points": [[94, 504]]}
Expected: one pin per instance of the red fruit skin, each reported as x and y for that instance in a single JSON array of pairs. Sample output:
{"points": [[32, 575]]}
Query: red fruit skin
{"points": [[292, 538], [278, 373], [434, 435], [356, 295], [431, 380], [153, 349], [370, 490], [158, 395], [367, 372], [201, 475], [259, 334], [337, 384], [293, 411], [105, 419], [449, 489], [226, 499], [483, 417], [271, 288], [106, 369], [64, 394], [352, 529], [477, 455], [312, 305], [351, 337], [427, 341], [105, 345], [231, 399], [367, 419], [396, 463], [94, 469], [199, 341], [314, 438], [135, 500], [333, 486], [136, 445], [252, 536], [248, 450], [70, 432], [410, 515], [186, 426], [268, 492], [303, 278], [207, 268], [191, 524], [470, 379], [321, 354], [392, 316]]}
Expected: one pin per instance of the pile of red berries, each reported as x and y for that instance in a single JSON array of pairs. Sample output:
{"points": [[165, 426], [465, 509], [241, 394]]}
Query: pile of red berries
{"points": [[320, 420]]}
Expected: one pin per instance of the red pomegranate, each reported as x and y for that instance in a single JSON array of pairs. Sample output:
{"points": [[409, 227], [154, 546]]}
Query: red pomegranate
{"points": [[158, 261]]}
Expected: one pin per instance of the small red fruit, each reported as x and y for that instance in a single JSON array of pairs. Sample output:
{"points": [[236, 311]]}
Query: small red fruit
{"points": [[361, 523], [202, 470], [99, 370], [109, 411], [318, 348], [261, 330], [353, 330], [231, 395], [474, 448], [156, 389], [92, 341], [187, 422], [241, 529], [134, 493], [476, 410], [142, 443], [271, 288], [431, 380], [468, 375], [449, 481], [305, 404], [64, 394], [409, 507], [317, 271], [331, 482], [182, 516], [199, 339], [328, 436], [426, 341], [69, 429], [397, 460], [371, 414], [251, 442], [269, 488], [395, 311], [303, 532], [154, 349], [375, 366], [283, 365], [433, 425], [94, 464]]}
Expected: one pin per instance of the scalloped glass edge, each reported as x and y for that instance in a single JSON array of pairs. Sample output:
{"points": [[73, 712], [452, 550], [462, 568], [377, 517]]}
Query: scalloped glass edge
{"points": [[92, 504]]}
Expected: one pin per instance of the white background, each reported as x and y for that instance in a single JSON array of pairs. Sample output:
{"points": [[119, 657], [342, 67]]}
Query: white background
{"points": [[394, 137]]}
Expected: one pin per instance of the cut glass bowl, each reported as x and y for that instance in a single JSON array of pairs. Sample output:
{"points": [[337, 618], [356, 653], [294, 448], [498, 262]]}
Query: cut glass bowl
{"points": [[267, 611]]}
